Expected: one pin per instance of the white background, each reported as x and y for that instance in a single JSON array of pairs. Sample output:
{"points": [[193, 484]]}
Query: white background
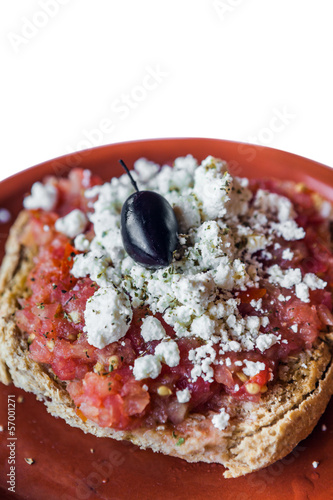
{"points": [[76, 73]]}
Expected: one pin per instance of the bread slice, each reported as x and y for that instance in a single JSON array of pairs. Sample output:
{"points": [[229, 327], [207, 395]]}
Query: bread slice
{"points": [[258, 433]]}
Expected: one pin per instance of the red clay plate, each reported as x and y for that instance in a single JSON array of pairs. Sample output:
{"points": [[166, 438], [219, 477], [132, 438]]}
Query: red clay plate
{"points": [[71, 465]]}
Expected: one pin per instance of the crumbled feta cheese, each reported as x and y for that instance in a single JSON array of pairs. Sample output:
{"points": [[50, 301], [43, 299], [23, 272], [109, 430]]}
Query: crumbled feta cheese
{"points": [[266, 340], [95, 265], [221, 420], [215, 258], [253, 323], [183, 396], [256, 242], [285, 278], [108, 315], [283, 298], [289, 230], [187, 163], [313, 282], [287, 254], [168, 353], [234, 346], [81, 243], [256, 304], [72, 224], [302, 292], [203, 327], [148, 366], [267, 255], [145, 169], [152, 329], [294, 327], [252, 368], [195, 291], [275, 204], [315, 464], [202, 358], [264, 321], [44, 196], [187, 210]]}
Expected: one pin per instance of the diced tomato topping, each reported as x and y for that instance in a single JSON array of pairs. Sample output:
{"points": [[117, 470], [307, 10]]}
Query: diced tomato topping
{"points": [[101, 381]]}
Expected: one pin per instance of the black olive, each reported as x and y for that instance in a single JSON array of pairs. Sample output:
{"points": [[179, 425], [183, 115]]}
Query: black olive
{"points": [[148, 228]]}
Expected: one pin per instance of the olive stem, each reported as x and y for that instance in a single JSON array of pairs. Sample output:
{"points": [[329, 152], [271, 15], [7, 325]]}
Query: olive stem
{"points": [[122, 163]]}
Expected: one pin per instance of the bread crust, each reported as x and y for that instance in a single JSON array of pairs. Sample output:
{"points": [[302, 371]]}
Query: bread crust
{"points": [[258, 433]]}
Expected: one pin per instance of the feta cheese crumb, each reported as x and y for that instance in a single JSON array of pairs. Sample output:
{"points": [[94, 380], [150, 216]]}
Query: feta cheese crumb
{"points": [[256, 304], [147, 366], [44, 196], [285, 278], [313, 282], [81, 243], [253, 368], [266, 340], [168, 353], [294, 327], [289, 230], [302, 292], [287, 254], [183, 396], [282, 298], [221, 420], [315, 464], [202, 358], [145, 169], [72, 224], [152, 329], [108, 315], [265, 321]]}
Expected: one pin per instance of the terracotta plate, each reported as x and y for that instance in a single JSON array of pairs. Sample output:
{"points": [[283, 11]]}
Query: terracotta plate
{"points": [[71, 465]]}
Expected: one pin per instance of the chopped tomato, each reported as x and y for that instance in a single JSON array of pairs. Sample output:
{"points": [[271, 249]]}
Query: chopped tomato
{"points": [[101, 381]]}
